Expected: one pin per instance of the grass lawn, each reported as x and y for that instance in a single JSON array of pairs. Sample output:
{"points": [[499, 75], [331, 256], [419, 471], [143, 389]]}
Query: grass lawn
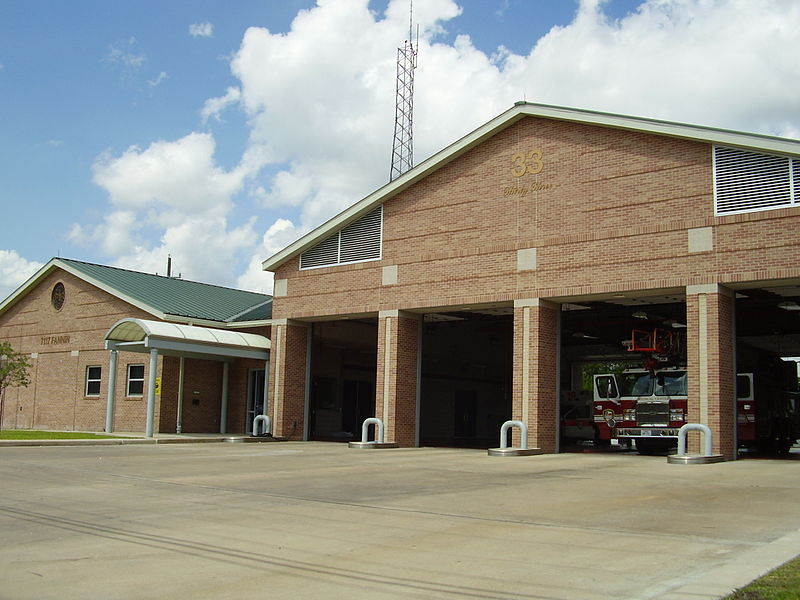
{"points": [[781, 584], [28, 434]]}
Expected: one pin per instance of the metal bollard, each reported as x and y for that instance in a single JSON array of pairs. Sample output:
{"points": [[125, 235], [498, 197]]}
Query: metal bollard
{"points": [[523, 432], [267, 424], [682, 458], [523, 450], [378, 430], [378, 443]]}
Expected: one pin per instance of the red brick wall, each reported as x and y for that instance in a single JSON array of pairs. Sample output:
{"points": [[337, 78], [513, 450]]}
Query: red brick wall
{"points": [[202, 396], [615, 218], [610, 212], [56, 398]]}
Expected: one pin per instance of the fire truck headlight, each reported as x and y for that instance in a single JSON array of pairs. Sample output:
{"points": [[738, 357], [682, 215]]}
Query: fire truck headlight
{"points": [[675, 414], [629, 414]]}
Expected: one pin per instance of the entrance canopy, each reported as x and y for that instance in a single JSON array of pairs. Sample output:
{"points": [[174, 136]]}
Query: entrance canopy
{"points": [[173, 339]]}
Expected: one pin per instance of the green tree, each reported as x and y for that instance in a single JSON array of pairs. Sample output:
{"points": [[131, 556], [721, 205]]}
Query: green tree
{"points": [[13, 372], [588, 370]]}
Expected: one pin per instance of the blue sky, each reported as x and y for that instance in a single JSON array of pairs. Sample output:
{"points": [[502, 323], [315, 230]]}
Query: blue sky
{"points": [[220, 131]]}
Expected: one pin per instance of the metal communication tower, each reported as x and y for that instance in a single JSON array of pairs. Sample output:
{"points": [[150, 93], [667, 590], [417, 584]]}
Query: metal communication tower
{"points": [[403, 146]]}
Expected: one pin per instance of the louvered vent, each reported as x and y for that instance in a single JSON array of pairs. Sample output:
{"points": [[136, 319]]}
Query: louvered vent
{"points": [[796, 179], [749, 181], [359, 241], [325, 253]]}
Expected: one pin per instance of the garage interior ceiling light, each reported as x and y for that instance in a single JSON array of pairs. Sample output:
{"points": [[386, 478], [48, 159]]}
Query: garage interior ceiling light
{"points": [[675, 324], [639, 315], [789, 305], [567, 306], [584, 336]]}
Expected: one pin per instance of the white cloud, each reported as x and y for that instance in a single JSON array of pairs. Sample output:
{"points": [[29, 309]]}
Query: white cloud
{"points": [[202, 248], [160, 78], [170, 198], [214, 106], [123, 54], [201, 29], [289, 188], [321, 97], [118, 233], [14, 271], [722, 63], [179, 175], [320, 106], [280, 234]]}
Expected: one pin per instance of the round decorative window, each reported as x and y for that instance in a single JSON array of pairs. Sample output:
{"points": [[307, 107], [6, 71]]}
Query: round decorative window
{"points": [[58, 296]]}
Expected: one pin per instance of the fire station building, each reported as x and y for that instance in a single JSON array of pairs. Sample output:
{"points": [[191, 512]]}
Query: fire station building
{"points": [[118, 350], [469, 290]]}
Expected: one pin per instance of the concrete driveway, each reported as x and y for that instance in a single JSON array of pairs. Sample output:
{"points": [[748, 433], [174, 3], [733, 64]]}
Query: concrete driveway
{"points": [[314, 520]]}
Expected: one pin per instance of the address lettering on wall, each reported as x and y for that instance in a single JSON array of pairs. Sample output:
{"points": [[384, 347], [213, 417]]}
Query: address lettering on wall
{"points": [[53, 340], [530, 162]]}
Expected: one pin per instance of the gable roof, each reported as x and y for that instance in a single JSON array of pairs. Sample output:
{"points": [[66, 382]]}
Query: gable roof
{"points": [[164, 297], [520, 110]]}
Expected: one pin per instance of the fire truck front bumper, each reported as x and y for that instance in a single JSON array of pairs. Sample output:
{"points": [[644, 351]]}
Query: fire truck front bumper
{"points": [[648, 432]]}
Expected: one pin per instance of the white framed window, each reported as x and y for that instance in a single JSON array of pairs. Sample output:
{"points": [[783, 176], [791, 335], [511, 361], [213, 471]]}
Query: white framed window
{"points": [[93, 376], [360, 241], [135, 380]]}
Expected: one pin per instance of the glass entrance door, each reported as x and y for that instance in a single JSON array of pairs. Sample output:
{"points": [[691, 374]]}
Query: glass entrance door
{"points": [[255, 397]]}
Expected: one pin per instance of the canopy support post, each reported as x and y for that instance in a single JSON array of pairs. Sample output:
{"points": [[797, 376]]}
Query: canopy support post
{"points": [[151, 393], [112, 391]]}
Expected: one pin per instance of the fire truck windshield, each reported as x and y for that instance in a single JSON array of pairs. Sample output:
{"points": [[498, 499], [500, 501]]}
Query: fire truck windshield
{"points": [[671, 383], [636, 384]]}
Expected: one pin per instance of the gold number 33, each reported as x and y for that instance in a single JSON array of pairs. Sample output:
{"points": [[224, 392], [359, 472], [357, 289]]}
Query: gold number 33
{"points": [[527, 162]]}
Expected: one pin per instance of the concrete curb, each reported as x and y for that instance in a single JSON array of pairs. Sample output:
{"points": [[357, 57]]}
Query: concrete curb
{"points": [[739, 572], [134, 440]]}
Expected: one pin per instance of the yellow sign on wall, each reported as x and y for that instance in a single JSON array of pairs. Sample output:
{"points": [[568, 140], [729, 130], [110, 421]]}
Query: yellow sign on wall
{"points": [[158, 386]]}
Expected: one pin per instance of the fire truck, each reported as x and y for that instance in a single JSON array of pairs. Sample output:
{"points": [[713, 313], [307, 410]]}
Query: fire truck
{"points": [[648, 405], [577, 422]]}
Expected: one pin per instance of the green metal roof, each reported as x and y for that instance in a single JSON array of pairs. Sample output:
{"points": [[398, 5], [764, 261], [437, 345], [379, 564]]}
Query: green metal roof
{"points": [[172, 296]]}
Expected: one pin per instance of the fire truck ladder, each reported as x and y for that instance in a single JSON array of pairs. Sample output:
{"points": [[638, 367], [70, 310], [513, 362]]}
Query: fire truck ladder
{"points": [[658, 341]]}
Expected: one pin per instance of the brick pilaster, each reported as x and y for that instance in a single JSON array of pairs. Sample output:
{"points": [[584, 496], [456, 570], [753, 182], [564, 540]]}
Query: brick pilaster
{"points": [[287, 382], [536, 371], [396, 379], [711, 363]]}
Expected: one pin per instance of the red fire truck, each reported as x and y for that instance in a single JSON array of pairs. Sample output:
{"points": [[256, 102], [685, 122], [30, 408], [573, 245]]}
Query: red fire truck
{"points": [[649, 406]]}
